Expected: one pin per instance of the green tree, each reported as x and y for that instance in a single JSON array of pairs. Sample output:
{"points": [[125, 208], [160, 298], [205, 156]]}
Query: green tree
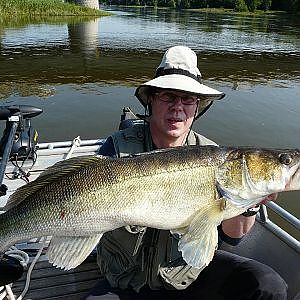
{"points": [[292, 5], [161, 3], [240, 5], [253, 4], [171, 3], [185, 3], [215, 3], [266, 4], [228, 3]]}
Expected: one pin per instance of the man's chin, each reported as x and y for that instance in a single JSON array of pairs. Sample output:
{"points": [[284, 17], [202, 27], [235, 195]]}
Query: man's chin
{"points": [[175, 133]]}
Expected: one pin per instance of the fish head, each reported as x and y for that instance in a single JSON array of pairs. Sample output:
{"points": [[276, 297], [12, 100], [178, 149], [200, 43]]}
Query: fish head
{"points": [[248, 175]]}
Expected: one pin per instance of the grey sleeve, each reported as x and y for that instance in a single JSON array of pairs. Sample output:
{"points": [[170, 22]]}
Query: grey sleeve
{"points": [[108, 149]]}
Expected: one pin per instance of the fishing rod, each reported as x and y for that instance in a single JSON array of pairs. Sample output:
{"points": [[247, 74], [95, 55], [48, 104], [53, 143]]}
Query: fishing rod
{"points": [[19, 138]]}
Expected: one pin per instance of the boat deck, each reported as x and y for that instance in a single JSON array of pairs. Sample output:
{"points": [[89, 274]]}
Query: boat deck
{"points": [[49, 283]]}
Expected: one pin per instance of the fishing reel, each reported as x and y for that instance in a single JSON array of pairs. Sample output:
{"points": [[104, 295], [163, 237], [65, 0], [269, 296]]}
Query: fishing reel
{"points": [[19, 138], [23, 141]]}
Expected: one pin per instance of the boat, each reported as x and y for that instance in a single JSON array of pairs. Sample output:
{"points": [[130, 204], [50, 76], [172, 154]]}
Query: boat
{"points": [[23, 159]]}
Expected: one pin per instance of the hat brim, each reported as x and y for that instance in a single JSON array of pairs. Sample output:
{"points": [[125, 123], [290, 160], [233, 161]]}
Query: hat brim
{"points": [[177, 82]]}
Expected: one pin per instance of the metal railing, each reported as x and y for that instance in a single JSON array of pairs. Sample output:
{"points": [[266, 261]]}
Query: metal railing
{"points": [[281, 233]]}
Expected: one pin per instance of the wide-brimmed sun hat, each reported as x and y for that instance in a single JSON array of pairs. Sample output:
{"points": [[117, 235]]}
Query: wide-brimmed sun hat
{"points": [[178, 71]]}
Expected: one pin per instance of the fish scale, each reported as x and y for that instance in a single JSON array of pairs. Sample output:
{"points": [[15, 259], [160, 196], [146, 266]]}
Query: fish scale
{"points": [[181, 189]]}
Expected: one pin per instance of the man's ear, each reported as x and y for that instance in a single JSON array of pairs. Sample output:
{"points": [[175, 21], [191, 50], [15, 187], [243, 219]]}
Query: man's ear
{"points": [[197, 110]]}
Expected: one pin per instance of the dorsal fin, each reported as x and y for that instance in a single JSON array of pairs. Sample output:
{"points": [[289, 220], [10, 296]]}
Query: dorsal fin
{"points": [[49, 175]]}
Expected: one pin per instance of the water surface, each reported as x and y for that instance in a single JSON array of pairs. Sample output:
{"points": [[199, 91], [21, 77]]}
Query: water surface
{"points": [[83, 71]]}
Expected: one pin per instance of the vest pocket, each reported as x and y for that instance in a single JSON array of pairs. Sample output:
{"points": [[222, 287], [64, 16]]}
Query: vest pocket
{"points": [[115, 259], [115, 251], [178, 274]]}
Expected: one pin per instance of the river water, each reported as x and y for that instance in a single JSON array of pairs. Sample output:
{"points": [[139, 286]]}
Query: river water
{"points": [[81, 72]]}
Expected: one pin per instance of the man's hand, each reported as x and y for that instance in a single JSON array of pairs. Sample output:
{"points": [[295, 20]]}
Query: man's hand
{"points": [[240, 225], [271, 197]]}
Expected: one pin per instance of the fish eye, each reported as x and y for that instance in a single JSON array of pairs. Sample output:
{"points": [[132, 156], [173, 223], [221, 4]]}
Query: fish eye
{"points": [[285, 158]]}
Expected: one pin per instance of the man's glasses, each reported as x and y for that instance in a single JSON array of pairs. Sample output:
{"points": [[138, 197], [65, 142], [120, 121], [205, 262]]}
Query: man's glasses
{"points": [[170, 98]]}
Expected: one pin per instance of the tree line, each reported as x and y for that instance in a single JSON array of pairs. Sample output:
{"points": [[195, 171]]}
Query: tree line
{"points": [[237, 5]]}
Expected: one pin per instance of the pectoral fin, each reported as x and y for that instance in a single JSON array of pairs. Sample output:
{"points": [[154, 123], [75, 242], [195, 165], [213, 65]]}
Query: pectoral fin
{"points": [[199, 242], [68, 252]]}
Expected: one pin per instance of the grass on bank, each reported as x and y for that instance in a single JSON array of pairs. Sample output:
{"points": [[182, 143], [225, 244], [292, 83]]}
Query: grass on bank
{"points": [[233, 12], [17, 8]]}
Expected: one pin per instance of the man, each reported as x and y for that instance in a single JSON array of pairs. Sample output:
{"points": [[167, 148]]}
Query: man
{"points": [[144, 263]]}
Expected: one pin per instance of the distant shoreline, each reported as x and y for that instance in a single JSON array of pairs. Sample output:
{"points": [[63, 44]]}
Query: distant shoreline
{"points": [[233, 12], [218, 10]]}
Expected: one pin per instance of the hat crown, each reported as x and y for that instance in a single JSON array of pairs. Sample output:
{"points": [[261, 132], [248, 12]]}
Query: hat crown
{"points": [[182, 58]]}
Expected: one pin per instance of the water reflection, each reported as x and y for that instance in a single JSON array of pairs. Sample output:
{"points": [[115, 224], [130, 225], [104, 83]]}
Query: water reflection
{"points": [[83, 38], [34, 35], [259, 33], [232, 49], [255, 60]]}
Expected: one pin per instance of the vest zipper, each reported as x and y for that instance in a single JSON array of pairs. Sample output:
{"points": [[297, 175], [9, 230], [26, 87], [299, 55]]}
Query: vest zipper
{"points": [[152, 248]]}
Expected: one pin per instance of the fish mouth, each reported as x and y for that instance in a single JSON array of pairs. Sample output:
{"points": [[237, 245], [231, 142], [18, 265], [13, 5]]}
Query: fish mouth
{"points": [[294, 182]]}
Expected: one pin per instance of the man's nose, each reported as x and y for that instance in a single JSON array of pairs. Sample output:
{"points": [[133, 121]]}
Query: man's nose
{"points": [[177, 103]]}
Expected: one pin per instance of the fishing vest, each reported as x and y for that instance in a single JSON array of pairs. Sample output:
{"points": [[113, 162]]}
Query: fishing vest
{"points": [[135, 256]]}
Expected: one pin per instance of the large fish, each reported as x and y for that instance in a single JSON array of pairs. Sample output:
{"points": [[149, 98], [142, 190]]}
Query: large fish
{"points": [[188, 190]]}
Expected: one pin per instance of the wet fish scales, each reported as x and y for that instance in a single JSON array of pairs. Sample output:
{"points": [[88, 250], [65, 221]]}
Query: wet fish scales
{"points": [[79, 199]]}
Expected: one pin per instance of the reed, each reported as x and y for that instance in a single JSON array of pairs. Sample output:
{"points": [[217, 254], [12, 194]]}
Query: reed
{"points": [[44, 8]]}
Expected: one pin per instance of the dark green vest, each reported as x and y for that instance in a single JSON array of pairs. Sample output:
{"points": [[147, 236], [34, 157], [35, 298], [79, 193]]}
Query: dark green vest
{"points": [[133, 257]]}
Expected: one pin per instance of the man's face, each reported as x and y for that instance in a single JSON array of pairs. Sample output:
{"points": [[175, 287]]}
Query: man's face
{"points": [[172, 113]]}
